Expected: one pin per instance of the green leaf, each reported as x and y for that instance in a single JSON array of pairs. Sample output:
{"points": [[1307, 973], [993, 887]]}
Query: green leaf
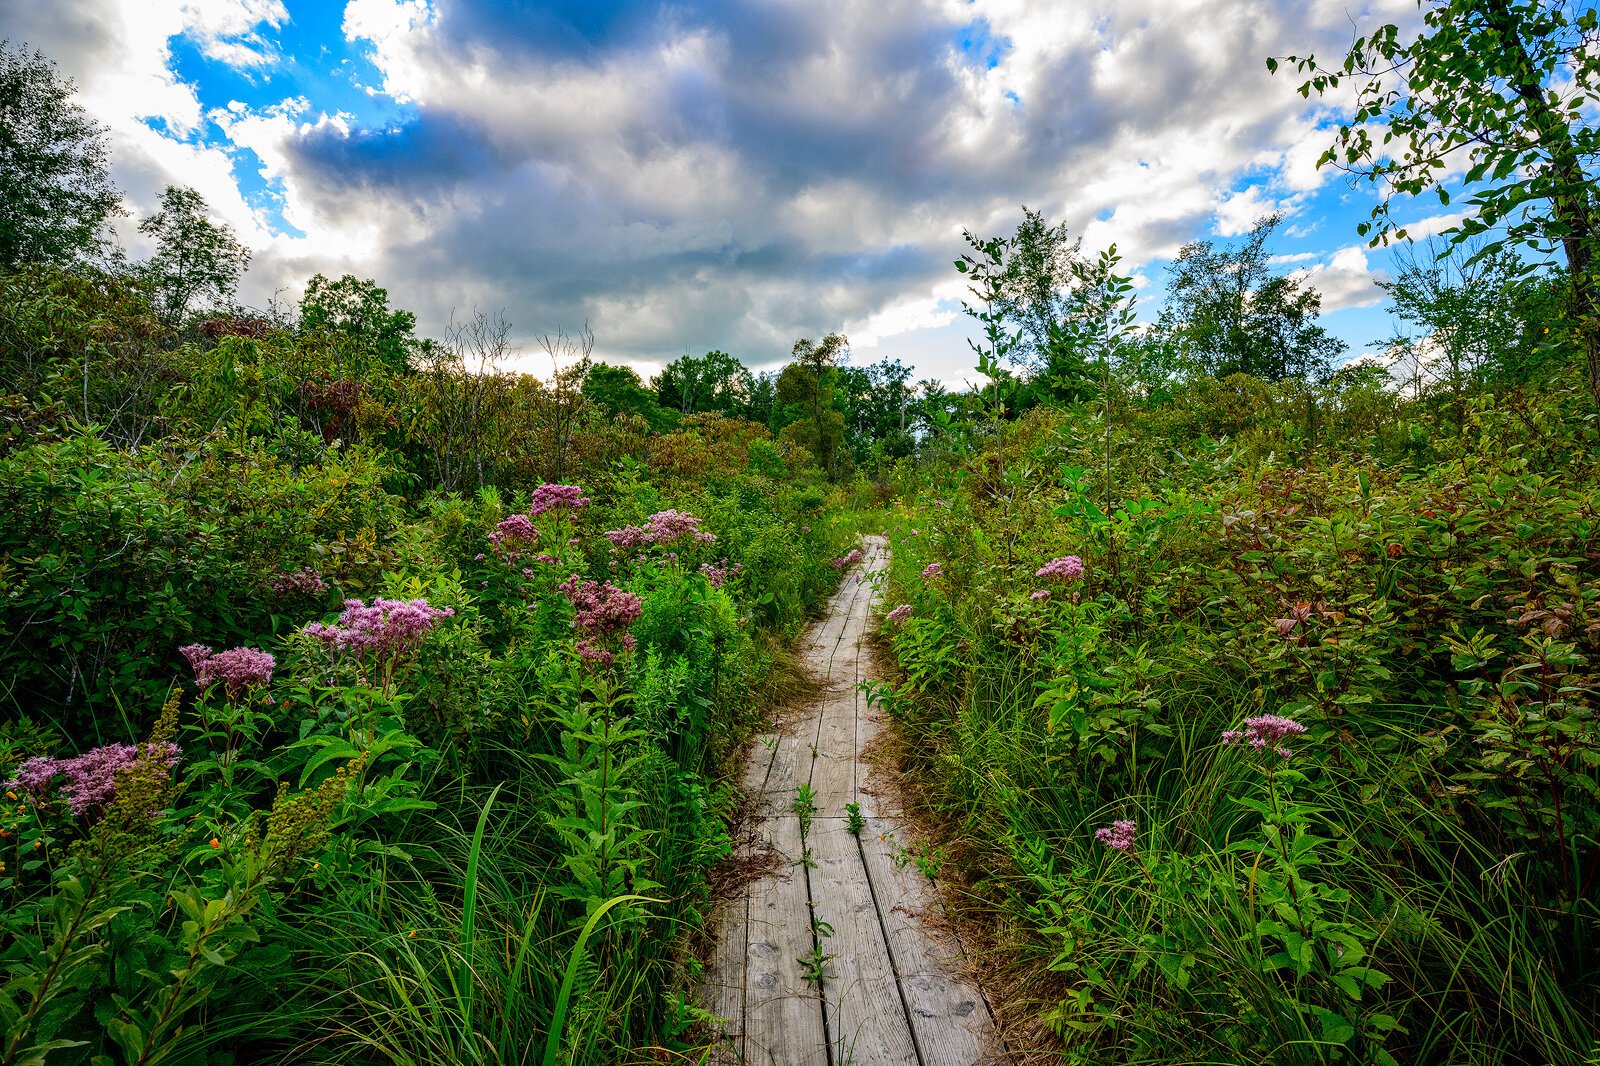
{"points": [[1336, 1028]]}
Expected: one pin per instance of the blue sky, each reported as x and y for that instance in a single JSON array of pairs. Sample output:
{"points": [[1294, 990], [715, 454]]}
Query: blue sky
{"points": [[691, 175]]}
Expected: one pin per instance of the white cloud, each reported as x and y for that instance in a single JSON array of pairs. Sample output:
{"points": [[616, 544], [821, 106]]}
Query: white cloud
{"points": [[1434, 225], [730, 176], [227, 30], [1238, 212], [1346, 280]]}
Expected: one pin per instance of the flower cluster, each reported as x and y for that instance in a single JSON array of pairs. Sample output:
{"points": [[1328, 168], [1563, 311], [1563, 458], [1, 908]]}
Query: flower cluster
{"points": [[557, 497], [91, 778], [899, 615], [931, 571], [1039, 595], [1118, 835], [664, 527], [238, 669], [601, 611], [847, 560], [1264, 732], [302, 582], [720, 573], [1067, 568], [386, 630], [516, 530]]}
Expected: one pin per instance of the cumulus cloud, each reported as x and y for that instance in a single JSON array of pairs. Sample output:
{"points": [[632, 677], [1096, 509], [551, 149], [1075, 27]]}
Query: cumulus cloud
{"points": [[1346, 280], [735, 175]]}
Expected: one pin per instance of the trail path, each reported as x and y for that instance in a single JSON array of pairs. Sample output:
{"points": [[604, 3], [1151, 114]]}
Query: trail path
{"points": [[890, 997]]}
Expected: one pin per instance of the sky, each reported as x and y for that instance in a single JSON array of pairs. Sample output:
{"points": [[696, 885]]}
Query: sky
{"points": [[683, 176]]}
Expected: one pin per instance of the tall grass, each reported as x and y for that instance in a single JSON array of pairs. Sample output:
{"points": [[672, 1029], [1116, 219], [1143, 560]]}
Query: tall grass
{"points": [[1410, 885]]}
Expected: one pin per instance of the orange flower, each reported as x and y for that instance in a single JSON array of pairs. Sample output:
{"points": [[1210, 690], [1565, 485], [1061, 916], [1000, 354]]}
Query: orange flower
{"points": [[216, 843]]}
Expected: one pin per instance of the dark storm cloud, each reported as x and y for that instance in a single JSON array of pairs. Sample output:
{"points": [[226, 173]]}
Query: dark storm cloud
{"points": [[454, 148]]}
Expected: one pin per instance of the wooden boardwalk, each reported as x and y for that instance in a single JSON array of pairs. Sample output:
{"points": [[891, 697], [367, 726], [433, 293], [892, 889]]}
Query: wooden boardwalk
{"points": [[888, 996]]}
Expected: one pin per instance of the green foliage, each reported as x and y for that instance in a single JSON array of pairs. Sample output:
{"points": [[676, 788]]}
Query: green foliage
{"points": [[351, 321], [486, 845], [694, 384], [1230, 314], [195, 258], [1424, 606], [1506, 87], [56, 195], [618, 390]]}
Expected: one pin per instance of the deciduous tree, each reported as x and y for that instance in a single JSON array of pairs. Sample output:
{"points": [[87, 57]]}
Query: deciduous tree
{"points": [[1500, 93], [1232, 314], [56, 194], [196, 260]]}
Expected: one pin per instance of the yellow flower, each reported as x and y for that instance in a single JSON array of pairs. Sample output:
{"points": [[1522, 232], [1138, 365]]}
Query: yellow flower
{"points": [[411, 935]]}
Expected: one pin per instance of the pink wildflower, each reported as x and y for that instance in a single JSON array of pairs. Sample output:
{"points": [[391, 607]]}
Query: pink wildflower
{"points": [[720, 573], [600, 609], [931, 571], [847, 560], [549, 497], [899, 615], [302, 582], [1263, 732], [594, 653], [1067, 568], [601, 614], [91, 778], [1039, 594], [1118, 835], [239, 669], [382, 632], [516, 530], [663, 527]]}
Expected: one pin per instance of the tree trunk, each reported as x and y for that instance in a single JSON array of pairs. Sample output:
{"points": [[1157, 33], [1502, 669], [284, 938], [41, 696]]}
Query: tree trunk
{"points": [[1572, 198]]}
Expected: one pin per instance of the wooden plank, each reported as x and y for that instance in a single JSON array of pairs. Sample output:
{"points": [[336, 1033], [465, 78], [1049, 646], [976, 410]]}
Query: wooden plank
{"points": [[833, 775], [950, 1018], [888, 1001], [783, 1013], [866, 1018], [725, 980], [791, 764]]}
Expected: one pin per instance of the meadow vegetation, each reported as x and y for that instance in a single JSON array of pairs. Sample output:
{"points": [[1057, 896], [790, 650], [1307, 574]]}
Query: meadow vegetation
{"points": [[368, 699], [1265, 735]]}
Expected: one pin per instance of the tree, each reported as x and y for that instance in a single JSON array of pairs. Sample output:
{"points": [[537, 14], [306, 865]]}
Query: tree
{"points": [[460, 401], [1507, 85], [353, 316], [1477, 317], [1040, 274], [55, 193], [1232, 315], [1038, 283], [618, 390], [804, 407], [195, 258], [715, 381]]}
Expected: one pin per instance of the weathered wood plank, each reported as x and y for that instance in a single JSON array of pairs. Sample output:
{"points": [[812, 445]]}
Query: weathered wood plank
{"points": [[783, 1012], [725, 980], [867, 1020], [888, 1000], [950, 1018]]}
